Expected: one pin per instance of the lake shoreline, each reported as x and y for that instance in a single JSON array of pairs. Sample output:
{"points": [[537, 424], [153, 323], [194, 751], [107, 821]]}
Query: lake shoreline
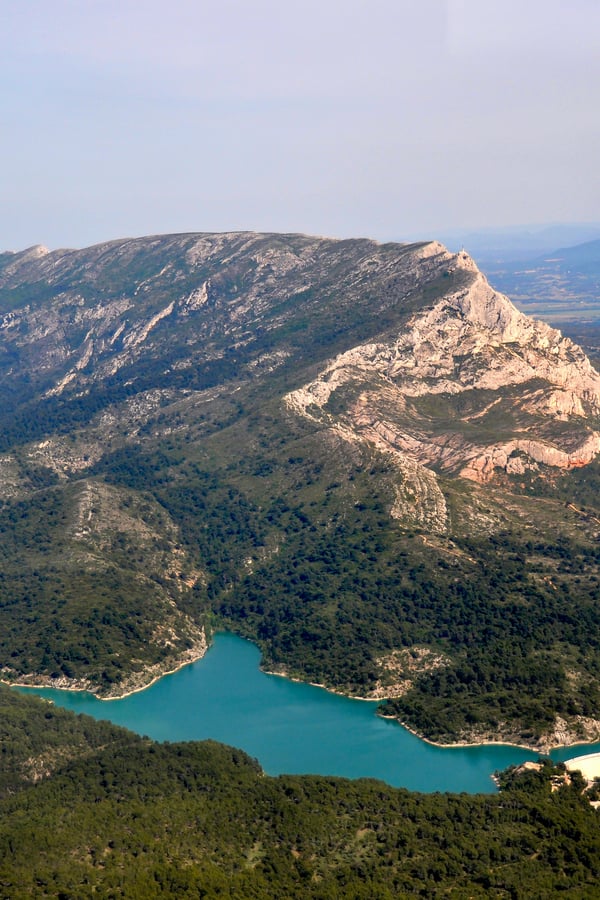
{"points": [[448, 746], [463, 744], [198, 651], [194, 654], [81, 685], [476, 742], [293, 728]]}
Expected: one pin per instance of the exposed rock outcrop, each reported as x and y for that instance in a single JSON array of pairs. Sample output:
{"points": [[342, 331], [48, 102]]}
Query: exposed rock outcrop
{"points": [[470, 385]]}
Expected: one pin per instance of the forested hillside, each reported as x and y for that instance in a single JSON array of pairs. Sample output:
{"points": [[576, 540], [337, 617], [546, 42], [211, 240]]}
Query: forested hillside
{"points": [[88, 810]]}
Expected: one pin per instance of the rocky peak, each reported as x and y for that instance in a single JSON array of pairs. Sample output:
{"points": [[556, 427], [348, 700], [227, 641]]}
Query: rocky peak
{"points": [[14, 263], [530, 396], [432, 363], [476, 338]]}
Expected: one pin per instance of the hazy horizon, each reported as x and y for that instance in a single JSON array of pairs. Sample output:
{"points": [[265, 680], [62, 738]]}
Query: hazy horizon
{"points": [[389, 120]]}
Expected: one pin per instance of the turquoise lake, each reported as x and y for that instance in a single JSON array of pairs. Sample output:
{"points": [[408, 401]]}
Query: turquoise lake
{"points": [[294, 728]]}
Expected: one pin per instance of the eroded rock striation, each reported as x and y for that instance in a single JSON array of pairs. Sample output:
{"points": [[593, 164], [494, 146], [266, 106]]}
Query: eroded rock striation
{"points": [[469, 386]]}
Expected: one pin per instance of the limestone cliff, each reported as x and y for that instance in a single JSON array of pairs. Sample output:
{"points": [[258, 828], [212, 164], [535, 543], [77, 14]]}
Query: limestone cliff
{"points": [[470, 385]]}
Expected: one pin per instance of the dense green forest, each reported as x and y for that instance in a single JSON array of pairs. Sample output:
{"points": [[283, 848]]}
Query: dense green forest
{"points": [[510, 612], [88, 809], [306, 560]]}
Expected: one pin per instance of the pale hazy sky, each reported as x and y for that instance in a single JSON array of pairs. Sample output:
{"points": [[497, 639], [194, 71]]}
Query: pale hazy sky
{"points": [[389, 119]]}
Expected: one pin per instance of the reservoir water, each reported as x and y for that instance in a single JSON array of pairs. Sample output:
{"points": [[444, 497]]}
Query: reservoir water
{"points": [[291, 727]]}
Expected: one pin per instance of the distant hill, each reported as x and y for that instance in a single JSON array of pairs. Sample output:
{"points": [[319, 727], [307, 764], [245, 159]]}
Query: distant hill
{"points": [[359, 455], [583, 259], [561, 286], [493, 248]]}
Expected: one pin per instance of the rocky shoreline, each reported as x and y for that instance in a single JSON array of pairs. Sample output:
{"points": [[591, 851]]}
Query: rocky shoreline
{"points": [[582, 731], [135, 682], [579, 730]]}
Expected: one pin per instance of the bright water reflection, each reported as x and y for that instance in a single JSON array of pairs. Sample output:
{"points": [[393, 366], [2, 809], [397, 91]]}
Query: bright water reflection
{"points": [[290, 727]]}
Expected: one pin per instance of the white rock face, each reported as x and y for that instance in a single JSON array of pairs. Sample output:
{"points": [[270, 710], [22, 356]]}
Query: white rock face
{"points": [[198, 297], [138, 335], [476, 338], [521, 379]]}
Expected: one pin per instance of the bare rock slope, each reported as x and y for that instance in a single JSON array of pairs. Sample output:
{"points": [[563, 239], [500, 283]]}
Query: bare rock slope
{"points": [[469, 386]]}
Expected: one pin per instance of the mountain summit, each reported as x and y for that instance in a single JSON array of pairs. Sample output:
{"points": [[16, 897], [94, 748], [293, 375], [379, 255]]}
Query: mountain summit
{"points": [[450, 374], [470, 385]]}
